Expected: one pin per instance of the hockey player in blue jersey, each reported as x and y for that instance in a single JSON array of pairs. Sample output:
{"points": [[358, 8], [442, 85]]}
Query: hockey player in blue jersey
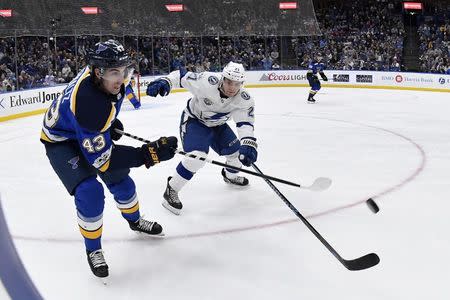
{"points": [[78, 133], [316, 66], [216, 98], [130, 94]]}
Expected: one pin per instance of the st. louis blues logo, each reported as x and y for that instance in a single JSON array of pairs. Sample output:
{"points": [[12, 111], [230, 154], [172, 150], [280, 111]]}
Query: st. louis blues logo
{"points": [[101, 48], [74, 162]]}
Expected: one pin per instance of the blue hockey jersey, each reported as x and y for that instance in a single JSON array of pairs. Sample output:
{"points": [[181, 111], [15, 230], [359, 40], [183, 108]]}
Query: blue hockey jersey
{"points": [[84, 113], [315, 67]]}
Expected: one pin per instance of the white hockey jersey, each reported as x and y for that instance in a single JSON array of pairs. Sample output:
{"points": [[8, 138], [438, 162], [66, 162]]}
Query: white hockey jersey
{"points": [[209, 108]]}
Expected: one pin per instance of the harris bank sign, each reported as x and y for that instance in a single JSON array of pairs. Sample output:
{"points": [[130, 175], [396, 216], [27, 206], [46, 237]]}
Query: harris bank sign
{"points": [[413, 78]]}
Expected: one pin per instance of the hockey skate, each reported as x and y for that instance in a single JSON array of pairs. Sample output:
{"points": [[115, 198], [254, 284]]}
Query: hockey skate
{"points": [[238, 180], [98, 264], [171, 200], [147, 227], [311, 100]]}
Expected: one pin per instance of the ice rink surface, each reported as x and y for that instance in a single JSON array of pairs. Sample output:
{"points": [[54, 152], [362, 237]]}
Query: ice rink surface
{"points": [[246, 244]]}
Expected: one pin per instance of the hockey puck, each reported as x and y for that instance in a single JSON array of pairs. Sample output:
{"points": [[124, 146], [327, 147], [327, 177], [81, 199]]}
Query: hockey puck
{"points": [[372, 205]]}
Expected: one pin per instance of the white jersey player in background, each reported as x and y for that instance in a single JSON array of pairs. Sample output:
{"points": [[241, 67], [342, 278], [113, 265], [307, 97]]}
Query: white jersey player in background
{"points": [[216, 97]]}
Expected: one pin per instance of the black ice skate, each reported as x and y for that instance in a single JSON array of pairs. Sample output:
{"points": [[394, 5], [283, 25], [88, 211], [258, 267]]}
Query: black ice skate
{"points": [[98, 264], [171, 200], [148, 227], [311, 100], [239, 180]]}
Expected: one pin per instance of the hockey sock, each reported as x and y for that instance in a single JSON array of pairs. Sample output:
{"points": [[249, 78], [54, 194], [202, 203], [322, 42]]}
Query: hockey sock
{"points": [[129, 208], [89, 200], [185, 171], [233, 160], [91, 230]]}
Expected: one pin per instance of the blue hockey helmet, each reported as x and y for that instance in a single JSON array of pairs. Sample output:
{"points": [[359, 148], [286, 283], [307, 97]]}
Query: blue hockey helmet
{"points": [[109, 54]]}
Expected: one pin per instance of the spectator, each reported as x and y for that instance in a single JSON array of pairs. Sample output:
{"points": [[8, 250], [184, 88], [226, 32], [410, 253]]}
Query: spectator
{"points": [[356, 35]]}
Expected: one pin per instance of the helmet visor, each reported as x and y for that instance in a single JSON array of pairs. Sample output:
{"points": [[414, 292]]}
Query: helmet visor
{"points": [[118, 74]]}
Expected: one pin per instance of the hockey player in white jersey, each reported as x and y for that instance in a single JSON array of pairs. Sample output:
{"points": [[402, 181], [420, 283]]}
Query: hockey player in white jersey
{"points": [[216, 97]]}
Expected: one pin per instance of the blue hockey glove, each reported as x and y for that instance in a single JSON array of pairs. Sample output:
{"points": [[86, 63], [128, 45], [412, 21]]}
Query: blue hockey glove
{"points": [[247, 152], [158, 86]]}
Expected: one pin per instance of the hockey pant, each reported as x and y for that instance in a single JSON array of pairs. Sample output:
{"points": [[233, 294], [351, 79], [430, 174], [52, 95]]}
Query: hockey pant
{"points": [[198, 138]]}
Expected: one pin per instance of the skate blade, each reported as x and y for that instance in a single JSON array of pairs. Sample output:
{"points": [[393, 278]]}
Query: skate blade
{"points": [[170, 208], [145, 235], [236, 186], [103, 280]]}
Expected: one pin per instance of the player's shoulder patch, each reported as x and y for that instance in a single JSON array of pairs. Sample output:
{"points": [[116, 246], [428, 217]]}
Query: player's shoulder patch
{"points": [[207, 101], [213, 80], [245, 95]]}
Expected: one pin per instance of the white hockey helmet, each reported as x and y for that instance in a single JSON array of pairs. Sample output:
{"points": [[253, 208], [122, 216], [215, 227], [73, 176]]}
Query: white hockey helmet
{"points": [[234, 71]]}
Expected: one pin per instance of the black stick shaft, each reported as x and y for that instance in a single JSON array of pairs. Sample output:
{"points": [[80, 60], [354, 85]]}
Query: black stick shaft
{"points": [[361, 263], [218, 163], [300, 216]]}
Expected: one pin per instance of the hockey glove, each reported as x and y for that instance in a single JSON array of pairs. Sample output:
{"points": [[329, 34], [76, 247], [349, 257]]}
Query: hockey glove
{"points": [[247, 152], [115, 136], [160, 150], [324, 77], [158, 86]]}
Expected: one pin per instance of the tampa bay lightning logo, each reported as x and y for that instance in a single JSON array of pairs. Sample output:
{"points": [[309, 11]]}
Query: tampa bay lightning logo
{"points": [[442, 80], [213, 80], [207, 101], [74, 162], [245, 96]]}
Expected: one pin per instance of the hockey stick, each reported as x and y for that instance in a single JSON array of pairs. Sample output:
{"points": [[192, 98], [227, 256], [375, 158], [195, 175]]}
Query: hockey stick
{"points": [[361, 263], [319, 184]]}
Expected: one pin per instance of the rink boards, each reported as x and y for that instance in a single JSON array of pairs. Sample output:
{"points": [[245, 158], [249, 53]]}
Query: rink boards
{"points": [[31, 102]]}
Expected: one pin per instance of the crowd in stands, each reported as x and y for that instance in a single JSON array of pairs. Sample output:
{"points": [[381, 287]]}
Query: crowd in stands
{"points": [[356, 35], [434, 33]]}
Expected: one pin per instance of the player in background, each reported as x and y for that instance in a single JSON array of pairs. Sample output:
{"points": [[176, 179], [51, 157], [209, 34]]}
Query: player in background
{"points": [[78, 133], [316, 66], [216, 98], [131, 96]]}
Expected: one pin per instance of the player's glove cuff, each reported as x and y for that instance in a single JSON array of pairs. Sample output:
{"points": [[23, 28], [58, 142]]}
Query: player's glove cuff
{"points": [[249, 142]]}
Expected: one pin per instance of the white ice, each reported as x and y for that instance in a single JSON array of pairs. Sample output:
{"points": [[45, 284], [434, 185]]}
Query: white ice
{"points": [[247, 244]]}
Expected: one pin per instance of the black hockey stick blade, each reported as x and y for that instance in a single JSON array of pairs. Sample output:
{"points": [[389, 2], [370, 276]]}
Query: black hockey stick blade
{"points": [[364, 262]]}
